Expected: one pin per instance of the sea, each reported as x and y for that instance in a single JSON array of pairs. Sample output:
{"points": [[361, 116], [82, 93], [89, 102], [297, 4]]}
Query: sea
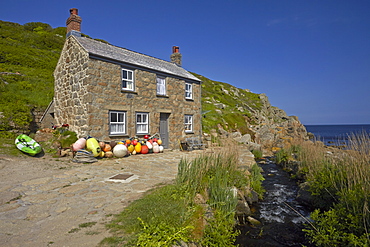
{"points": [[337, 134]]}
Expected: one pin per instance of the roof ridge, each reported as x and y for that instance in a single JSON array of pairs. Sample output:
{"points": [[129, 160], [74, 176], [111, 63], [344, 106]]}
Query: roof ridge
{"points": [[128, 49]]}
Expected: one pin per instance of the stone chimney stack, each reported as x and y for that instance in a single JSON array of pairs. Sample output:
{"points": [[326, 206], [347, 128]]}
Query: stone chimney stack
{"points": [[74, 23], [176, 56]]}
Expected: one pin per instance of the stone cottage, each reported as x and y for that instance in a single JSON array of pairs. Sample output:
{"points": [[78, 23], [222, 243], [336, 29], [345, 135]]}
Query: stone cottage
{"points": [[112, 93]]}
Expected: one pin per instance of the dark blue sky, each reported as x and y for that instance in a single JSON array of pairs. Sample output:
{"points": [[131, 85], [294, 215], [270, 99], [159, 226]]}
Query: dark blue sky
{"points": [[311, 58]]}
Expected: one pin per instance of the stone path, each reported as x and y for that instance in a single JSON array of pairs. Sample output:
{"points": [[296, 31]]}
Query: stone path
{"points": [[55, 202]]}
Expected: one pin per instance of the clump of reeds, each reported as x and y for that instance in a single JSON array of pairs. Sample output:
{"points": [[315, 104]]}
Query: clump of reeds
{"points": [[340, 179], [212, 175]]}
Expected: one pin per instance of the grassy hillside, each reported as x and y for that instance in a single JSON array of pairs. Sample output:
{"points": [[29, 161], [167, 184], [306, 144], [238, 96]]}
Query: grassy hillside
{"points": [[28, 56], [232, 108]]}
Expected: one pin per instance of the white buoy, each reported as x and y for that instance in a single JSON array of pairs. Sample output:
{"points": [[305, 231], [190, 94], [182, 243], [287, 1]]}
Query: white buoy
{"points": [[120, 150]]}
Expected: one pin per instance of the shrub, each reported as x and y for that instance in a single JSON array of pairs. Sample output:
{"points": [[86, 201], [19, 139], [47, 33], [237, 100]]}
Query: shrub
{"points": [[257, 154], [256, 180], [281, 156]]}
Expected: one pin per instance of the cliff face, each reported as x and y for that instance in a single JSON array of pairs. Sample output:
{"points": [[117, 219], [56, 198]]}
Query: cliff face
{"points": [[246, 117]]}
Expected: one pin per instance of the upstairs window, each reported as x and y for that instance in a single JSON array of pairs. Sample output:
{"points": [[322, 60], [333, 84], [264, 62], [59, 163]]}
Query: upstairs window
{"points": [[117, 122], [161, 86], [127, 80], [188, 91], [188, 123], [142, 123]]}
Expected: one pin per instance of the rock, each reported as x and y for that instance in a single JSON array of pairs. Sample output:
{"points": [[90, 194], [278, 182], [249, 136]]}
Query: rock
{"points": [[304, 196], [220, 105], [242, 208], [199, 199], [254, 146], [253, 221], [242, 139], [235, 135], [252, 197]]}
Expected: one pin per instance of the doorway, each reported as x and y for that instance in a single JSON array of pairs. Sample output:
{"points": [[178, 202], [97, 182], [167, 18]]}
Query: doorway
{"points": [[163, 129]]}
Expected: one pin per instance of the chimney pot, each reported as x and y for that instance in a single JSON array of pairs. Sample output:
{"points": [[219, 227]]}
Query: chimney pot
{"points": [[73, 11], [175, 49]]}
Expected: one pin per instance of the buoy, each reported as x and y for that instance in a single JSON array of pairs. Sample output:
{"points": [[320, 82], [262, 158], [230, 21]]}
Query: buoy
{"points": [[138, 148], [161, 148], [102, 145], [144, 149], [120, 150], [92, 145], [79, 144], [107, 148], [149, 144], [159, 141], [109, 154], [155, 148], [112, 144], [131, 148]]}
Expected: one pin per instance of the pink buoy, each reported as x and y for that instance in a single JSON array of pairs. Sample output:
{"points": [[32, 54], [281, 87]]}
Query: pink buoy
{"points": [[79, 144]]}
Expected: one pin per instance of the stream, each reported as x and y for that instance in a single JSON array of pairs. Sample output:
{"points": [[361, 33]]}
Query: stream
{"points": [[281, 225]]}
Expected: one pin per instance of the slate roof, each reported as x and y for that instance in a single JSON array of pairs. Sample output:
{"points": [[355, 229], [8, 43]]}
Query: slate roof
{"points": [[124, 55]]}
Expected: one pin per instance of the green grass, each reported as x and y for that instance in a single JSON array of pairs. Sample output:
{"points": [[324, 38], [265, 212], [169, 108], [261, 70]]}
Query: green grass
{"points": [[7, 145], [236, 115]]}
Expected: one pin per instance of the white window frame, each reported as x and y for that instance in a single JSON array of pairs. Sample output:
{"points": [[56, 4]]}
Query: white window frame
{"points": [[161, 86], [142, 122], [188, 122], [188, 90], [128, 82], [117, 127]]}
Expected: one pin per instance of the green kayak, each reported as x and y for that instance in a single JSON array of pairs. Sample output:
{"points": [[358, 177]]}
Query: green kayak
{"points": [[28, 145]]}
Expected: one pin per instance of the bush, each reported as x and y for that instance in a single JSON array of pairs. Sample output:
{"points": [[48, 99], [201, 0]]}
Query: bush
{"points": [[257, 154], [282, 156]]}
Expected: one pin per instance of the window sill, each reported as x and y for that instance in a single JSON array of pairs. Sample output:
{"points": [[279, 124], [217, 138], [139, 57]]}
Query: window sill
{"points": [[141, 134], [128, 91], [188, 99], [118, 135], [189, 132], [162, 96]]}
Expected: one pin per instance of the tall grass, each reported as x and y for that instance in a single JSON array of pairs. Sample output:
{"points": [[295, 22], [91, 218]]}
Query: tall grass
{"points": [[339, 181], [171, 214], [213, 176]]}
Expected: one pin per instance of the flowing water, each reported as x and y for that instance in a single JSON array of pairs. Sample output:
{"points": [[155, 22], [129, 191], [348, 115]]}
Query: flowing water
{"points": [[280, 214]]}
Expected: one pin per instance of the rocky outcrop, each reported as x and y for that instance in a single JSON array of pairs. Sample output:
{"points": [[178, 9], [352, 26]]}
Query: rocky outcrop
{"points": [[247, 118]]}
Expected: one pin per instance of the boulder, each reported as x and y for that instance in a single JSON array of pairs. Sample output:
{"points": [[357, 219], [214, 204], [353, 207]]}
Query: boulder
{"points": [[252, 197], [304, 196], [242, 208]]}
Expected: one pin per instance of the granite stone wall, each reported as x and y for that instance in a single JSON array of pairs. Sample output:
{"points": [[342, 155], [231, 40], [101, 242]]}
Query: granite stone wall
{"points": [[87, 89], [71, 96]]}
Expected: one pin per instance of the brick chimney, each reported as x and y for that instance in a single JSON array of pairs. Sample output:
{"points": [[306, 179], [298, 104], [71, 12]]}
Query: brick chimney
{"points": [[176, 56], [74, 23]]}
